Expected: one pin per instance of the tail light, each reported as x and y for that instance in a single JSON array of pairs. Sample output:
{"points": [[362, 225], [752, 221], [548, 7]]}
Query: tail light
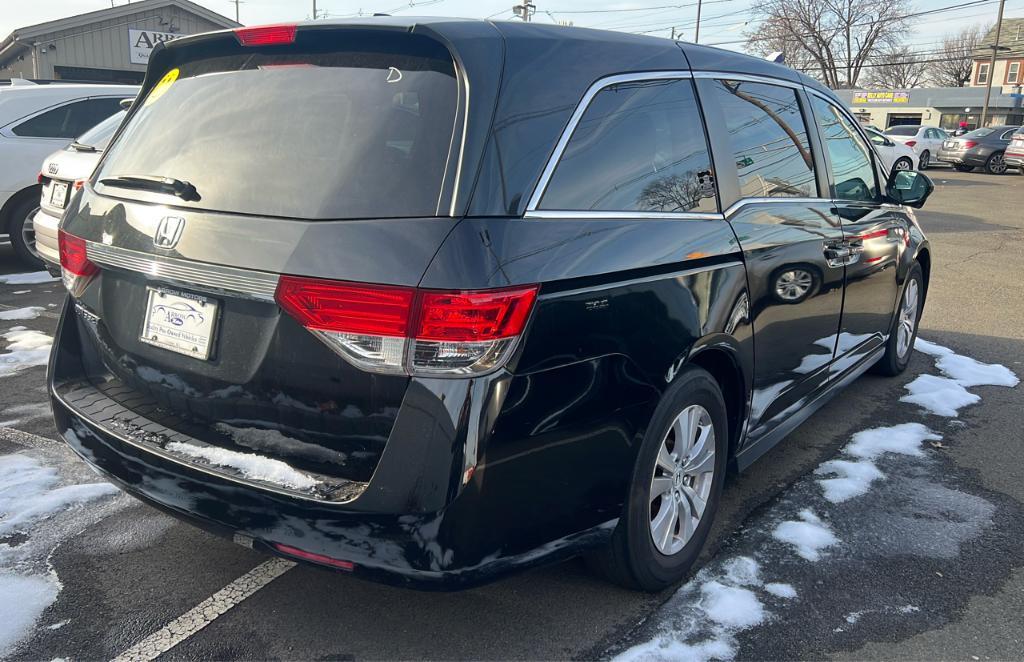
{"points": [[76, 269], [266, 35], [910, 143], [969, 144], [404, 330], [40, 178]]}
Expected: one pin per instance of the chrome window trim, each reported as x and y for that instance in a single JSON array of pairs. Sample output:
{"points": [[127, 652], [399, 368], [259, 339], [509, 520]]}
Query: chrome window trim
{"points": [[581, 107], [749, 78], [259, 285], [743, 202], [612, 215]]}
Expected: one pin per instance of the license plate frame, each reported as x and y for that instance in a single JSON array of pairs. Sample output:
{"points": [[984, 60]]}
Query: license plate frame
{"points": [[58, 194], [180, 322]]}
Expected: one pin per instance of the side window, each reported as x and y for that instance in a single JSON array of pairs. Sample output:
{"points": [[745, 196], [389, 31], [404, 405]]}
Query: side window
{"points": [[68, 121], [639, 146], [876, 138], [1007, 134], [853, 172], [769, 139]]}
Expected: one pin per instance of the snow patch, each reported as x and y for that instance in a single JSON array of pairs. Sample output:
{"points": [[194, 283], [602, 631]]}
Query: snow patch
{"points": [[854, 478], [809, 535], [781, 590], [939, 395], [731, 606], [22, 291], [26, 349], [27, 313], [904, 439], [671, 650], [945, 396], [250, 465], [273, 441], [32, 278], [24, 600]]}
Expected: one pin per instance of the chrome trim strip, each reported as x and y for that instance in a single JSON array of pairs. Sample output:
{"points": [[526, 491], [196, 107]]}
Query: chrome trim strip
{"points": [[646, 279], [750, 78], [581, 107], [743, 202], [242, 282], [661, 215]]}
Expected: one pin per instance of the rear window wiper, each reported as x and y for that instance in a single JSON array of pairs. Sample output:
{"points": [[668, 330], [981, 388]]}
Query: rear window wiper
{"points": [[79, 147], [182, 189]]}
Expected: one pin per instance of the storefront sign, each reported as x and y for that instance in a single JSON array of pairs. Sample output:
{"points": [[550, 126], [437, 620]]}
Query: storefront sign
{"points": [[142, 42], [881, 97]]}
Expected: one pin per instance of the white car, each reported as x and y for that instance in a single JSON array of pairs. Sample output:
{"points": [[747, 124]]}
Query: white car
{"points": [[63, 172], [924, 140], [894, 155], [36, 119]]}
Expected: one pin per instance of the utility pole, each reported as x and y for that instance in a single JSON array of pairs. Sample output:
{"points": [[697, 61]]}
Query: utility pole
{"points": [[525, 11], [236, 3], [673, 37], [696, 35], [992, 63], [314, 10]]}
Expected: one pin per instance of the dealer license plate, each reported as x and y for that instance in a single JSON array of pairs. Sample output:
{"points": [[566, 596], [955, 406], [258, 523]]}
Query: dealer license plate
{"points": [[182, 323], [59, 194]]}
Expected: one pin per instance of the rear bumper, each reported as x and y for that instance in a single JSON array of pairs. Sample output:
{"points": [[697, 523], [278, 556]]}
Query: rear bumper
{"points": [[509, 516], [962, 158], [45, 227], [1014, 160]]}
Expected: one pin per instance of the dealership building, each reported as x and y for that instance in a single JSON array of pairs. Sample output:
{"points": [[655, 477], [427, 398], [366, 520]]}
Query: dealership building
{"points": [[944, 107], [109, 45]]}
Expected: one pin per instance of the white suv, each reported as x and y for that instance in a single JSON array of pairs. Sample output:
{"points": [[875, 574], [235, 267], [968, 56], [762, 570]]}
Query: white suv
{"points": [[35, 120]]}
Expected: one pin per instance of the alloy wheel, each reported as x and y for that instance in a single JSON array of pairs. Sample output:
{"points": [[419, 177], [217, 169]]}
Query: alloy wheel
{"points": [[793, 284], [908, 319], [28, 233], [902, 164], [996, 164], [682, 479], [925, 160]]}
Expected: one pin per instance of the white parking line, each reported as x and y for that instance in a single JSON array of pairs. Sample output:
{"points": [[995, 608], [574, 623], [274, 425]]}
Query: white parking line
{"points": [[205, 612]]}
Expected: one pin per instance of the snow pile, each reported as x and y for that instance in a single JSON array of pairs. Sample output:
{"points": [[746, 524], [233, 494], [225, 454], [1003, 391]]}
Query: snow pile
{"points": [[945, 396], [27, 313], [26, 349], [854, 478], [904, 439], [30, 494], [809, 535], [701, 620], [33, 278], [250, 465]]}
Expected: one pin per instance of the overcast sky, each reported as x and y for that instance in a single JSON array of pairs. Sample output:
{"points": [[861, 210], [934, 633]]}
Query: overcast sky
{"points": [[722, 20]]}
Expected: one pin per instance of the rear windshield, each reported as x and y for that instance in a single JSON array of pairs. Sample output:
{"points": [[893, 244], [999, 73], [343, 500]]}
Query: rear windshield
{"points": [[902, 131], [978, 133], [99, 136], [359, 126]]}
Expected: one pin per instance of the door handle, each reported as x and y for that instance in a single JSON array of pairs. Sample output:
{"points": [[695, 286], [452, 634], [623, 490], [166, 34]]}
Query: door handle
{"points": [[841, 253]]}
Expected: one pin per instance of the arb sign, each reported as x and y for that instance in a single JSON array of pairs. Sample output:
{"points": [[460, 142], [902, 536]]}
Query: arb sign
{"points": [[142, 42]]}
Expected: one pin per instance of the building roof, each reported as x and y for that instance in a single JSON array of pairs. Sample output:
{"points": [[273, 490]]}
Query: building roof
{"points": [[937, 97], [40, 29], [1011, 37]]}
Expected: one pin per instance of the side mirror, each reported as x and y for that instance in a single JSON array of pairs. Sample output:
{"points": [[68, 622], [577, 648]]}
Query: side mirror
{"points": [[909, 187]]}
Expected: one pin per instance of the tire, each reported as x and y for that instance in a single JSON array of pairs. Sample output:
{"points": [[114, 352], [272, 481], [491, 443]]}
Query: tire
{"points": [[925, 160], [963, 168], [633, 558], [898, 349], [22, 233], [902, 163], [995, 165]]}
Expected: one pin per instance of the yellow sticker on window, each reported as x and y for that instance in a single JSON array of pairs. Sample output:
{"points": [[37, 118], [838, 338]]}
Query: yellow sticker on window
{"points": [[160, 88]]}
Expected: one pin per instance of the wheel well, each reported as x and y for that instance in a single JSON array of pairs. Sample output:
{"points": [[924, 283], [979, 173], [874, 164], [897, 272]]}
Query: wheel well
{"points": [[15, 200], [722, 366]]}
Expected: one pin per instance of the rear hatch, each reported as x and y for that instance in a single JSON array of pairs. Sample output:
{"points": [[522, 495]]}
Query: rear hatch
{"points": [[326, 155]]}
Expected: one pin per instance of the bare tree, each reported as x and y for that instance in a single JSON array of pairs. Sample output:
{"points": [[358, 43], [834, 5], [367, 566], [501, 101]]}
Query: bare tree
{"points": [[897, 67], [957, 57], [831, 39], [676, 192]]}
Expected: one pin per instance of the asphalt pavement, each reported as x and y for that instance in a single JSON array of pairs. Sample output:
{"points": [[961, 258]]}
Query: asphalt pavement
{"points": [[930, 566]]}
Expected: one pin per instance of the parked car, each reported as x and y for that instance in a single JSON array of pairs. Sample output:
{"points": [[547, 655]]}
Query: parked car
{"points": [[62, 172], [926, 141], [428, 342], [1014, 155], [895, 155], [36, 119], [981, 148]]}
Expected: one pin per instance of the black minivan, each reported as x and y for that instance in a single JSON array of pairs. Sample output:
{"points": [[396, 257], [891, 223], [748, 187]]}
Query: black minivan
{"points": [[431, 300]]}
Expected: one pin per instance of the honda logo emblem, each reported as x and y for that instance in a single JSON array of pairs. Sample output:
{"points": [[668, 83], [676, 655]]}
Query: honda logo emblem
{"points": [[168, 232]]}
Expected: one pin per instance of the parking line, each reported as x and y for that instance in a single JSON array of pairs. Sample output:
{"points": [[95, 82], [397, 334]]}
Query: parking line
{"points": [[205, 612]]}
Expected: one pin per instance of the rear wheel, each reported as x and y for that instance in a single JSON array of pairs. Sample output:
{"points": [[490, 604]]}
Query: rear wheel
{"points": [[902, 163], [900, 346], [995, 164], [22, 233], [675, 488], [960, 167], [926, 160]]}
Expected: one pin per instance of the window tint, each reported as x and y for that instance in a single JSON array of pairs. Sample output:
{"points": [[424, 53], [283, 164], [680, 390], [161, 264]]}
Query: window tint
{"points": [[70, 120], [331, 128], [769, 139], [852, 169], [901, 131], [100, 135], [639, 146]]}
